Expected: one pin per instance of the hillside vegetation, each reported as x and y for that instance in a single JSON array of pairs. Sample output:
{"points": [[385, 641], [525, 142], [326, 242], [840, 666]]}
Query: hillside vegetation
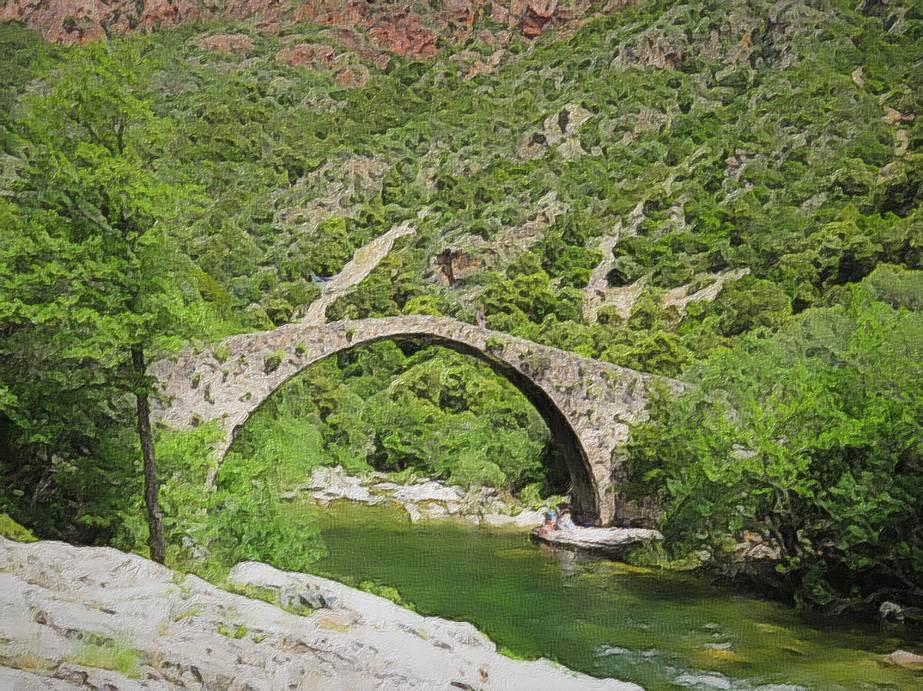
{"points": [[709, 191]]}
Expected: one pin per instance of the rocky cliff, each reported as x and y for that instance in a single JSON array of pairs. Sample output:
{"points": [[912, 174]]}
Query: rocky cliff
{"points": [[411, 28]]}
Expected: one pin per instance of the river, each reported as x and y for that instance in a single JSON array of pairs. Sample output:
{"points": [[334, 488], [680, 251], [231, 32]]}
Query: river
{"points": [[660, 630]]}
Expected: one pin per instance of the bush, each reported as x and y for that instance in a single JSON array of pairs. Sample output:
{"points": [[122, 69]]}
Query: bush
{"points": [[470, 470], [751, 303], [272, 361], [810, 438]]}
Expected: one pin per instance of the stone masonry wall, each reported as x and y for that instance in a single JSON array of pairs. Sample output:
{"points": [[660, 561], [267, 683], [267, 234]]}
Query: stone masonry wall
{"points": [[589, 401]]}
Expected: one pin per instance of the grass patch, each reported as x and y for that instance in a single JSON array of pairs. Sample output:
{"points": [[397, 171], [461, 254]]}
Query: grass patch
{"points": [[112, 656], [272, 361], [26, 661], [512, 654], [231, 631], [187, 613], [387, 592], [270, 595], [12, 530], [220, 353]]}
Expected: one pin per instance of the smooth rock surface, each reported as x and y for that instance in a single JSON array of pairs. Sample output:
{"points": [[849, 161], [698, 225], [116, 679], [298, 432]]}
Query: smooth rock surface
{"points": [[525, 519], [182, 632], [427, 491], [906, 659], [598, 540]]}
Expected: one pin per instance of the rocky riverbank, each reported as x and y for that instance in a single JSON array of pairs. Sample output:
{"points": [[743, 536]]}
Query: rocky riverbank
{"points": [[421, 498], [90, 617]]}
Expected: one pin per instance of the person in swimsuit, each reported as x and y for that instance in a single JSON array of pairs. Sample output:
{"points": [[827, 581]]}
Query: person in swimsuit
{"points": [[549, 525], [565, 521]]}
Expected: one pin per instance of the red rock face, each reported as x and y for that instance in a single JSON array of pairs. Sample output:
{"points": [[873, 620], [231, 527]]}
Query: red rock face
{"points": [[313, 54], [392, 29], [403, 33], [357, 43], [352, 76], [348, 13], [166, 13], [322, 56], [64, 21], [533, 17]]}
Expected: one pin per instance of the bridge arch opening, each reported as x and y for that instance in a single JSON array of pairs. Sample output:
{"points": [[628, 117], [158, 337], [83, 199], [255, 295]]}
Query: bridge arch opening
{"points": [[564, 456]]}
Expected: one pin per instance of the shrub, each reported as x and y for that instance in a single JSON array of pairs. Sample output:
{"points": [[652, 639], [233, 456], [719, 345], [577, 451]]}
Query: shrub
{"points": [[221, 353], [272, 361], [472, 470], [809, 438]]}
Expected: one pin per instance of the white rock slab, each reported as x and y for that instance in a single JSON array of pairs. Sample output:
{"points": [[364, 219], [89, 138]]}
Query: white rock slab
{"points": [[603, 540], [188, 633], [427, 491]]}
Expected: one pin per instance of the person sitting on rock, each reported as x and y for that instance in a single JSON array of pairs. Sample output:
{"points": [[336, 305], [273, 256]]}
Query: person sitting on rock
{"points": [[565, 521], [548, 526]]}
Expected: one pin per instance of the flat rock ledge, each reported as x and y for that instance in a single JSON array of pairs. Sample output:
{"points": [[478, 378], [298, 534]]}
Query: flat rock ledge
{"points": [[602, 541], [422, 499], [94, 617]]}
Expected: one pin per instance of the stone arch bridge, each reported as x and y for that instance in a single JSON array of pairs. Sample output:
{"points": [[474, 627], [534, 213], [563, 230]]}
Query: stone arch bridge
{"points": [[588, 405]]}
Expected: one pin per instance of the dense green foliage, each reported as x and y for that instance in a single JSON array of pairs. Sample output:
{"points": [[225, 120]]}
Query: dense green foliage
{"points": [[433, 412], [810, 438], [785, 141], [89, 276]]}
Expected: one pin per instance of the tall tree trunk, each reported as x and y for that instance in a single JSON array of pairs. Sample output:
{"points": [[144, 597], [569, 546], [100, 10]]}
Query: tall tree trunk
{"points": [[151, 486]]}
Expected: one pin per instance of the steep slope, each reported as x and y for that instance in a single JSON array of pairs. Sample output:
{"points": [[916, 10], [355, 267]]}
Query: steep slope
{"points": [[756, 152], [646, 183]]}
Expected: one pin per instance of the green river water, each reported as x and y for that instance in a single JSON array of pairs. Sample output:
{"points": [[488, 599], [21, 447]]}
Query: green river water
{"points": [[662, 631]]}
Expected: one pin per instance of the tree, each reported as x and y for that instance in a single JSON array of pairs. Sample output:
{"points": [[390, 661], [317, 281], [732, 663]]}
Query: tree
{"points": [[809, 437], [92, 278]]}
